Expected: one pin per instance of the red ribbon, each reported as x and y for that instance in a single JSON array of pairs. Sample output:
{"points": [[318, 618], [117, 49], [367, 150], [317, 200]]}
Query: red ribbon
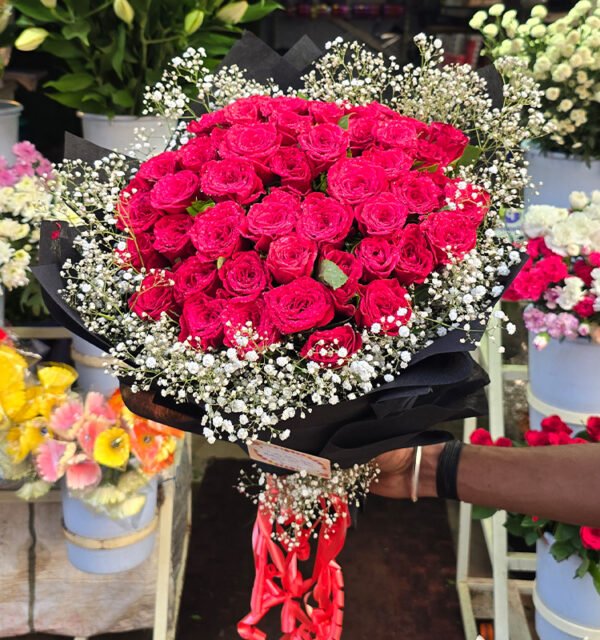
{"points": [[311, 608]]}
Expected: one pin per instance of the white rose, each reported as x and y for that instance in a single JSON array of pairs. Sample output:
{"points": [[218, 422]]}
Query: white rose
{"points": [[6, 251], [578, 116], [565, 105], [562, 72], [572, 293], [595, 288], [576, 60], [578, 200], [595, 196], [540, 218], [552, 93]]}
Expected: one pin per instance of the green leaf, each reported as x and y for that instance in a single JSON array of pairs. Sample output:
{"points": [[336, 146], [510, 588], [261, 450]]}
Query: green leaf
{"points": [[481, 513], [34, 9], [531, 537], [61, 48], [331, 274], [200, 206], [258, 11], [594, 570], [469, 156], [72, 82], [566, 532], [78, 29], [73, 99], [344, 122], [561, 551], [221, 262], [583, 567], [123, 98], [118, 52]]}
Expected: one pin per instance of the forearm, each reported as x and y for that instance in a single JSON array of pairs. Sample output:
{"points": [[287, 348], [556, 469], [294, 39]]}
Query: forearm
{"points": [[559, 483]]}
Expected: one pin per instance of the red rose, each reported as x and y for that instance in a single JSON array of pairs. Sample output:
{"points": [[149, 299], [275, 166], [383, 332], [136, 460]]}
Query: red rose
{"points": [[361, 130], [593, 428], [441, 144], [326, 111], [273, 217], [378, 257], [176, 192], [399, 133], [244, 275], [554, 424], [233, 178], [332, 347], [481, 437], [552, 269], [301, 305], [291, 257], [154, 297], [135, 212], [291, 125], [193, 155], [536, 248], [324, 220], [155, 168], [395, 162], [354, 180], [585, 307], [201, 321], [536, 438], [324, 144], [448, 232], [590, 538], [528, 285], [418, 191], [284, 104], [237, 334], [384, 302], [415, 258], [139, 253], [207, 122], [194, 276], [594, 258], [255, 142], [216, 233], [382, 215], [353, 269], [291, 165], [171, 236], [244, 110], [503, 442], [583, 270]]}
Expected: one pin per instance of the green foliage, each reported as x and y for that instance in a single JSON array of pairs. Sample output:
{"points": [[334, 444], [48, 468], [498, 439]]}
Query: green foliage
{"points": [[110, 50], [481, 513], [331, 274]]}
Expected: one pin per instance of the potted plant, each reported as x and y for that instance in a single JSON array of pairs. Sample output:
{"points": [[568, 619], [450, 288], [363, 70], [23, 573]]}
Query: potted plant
{"points": [[111, 51], [9, 109], [563, 57], [567, 586], [561, 281]]}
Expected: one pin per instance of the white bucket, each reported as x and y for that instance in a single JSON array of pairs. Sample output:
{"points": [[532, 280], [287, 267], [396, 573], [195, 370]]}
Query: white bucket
{"points": [[9, 127], [85, 527], [90, 363], [560, 174], [119, 133], [567, 608], [564, 379]]}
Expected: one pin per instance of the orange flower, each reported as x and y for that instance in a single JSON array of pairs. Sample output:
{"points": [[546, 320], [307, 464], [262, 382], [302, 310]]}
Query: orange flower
{"points": [[154, 450]]}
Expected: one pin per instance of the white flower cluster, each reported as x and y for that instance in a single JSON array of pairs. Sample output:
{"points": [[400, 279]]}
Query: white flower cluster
{"points": [[241, 396], [564, 57]]}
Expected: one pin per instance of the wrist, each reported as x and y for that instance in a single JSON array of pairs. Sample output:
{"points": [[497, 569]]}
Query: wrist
{"points": [[429, 465]]}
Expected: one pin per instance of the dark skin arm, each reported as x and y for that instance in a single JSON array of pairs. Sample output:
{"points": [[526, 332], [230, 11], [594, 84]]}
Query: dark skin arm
{"points": [[558, 483]]}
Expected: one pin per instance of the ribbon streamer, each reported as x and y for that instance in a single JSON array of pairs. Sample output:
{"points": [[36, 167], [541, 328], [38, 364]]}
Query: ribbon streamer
{"points": [[311, 608]]}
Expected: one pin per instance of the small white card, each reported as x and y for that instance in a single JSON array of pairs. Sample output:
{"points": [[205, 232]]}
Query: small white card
{"points": [[289, 459]]}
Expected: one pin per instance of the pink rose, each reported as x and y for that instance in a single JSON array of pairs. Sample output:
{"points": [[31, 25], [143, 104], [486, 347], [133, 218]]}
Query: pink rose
{"points": [[201, 323], [171, 236], [154, 297], [284, 104], [233, 178], [256, 142], [216, 233], [291, 125], [332, 348], [244, 275], [326, 112], [237, 334], [291, 165], [354, 180], [449, 233], [153, 169], [135, 212], [291, 257], [382, 215], [399, 133], [415, 258], [395, 162], [361, 131], [386, 303], [324, 144], [418, 191], [273, 217], [324, 220], [536, 248], [378, 257], [441, 144], [552, 269], [590, 538], [301, 305], [353, 269], [194, 276], [193, 155], [174, 193], [140, 253], [207, 122]]}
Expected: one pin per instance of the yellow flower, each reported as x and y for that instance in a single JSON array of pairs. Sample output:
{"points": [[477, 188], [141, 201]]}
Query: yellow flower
{"points": [[56, 378], [112, 448], [25, 439]]}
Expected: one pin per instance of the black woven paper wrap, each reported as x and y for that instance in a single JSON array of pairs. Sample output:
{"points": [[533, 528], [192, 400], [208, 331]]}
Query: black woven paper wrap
{"points": [[441, 383]]}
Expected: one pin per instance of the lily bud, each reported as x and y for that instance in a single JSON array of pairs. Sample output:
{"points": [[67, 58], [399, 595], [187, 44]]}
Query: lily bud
{"points": [[232, 13], [124, 11], [31, 39], [193, 21], [49, 4]]}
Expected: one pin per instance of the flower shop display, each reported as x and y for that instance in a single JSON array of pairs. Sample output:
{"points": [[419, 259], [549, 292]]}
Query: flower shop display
{"points": [[567, 587], [111, 51], [307, 268], [561, 280], [564, 57]]}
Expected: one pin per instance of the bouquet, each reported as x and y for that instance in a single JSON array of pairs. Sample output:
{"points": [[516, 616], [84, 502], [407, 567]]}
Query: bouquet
{"points": [[561, 279], [25, 198], [564, 58], [569, 540], [309, 267]]}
